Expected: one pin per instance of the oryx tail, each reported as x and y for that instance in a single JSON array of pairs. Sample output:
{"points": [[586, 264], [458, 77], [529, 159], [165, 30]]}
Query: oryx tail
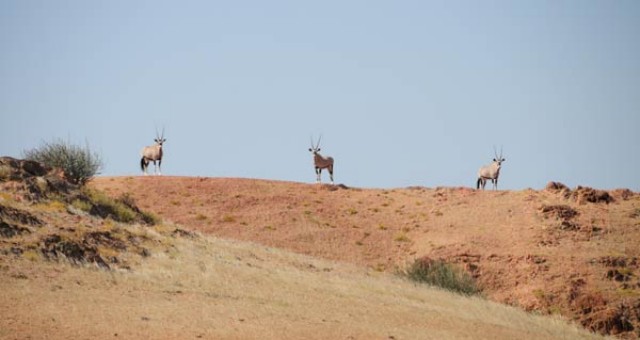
{"points": [[143, 164]]}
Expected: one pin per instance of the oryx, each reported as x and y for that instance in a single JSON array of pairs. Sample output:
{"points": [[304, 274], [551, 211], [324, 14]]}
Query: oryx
{"points": [[321, 162], [491, 171], [153, 153]]}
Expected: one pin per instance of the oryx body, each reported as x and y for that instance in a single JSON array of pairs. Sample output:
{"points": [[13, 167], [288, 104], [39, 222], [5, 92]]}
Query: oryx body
{"points": [[153, 153], [321, 162], [490, 172]]}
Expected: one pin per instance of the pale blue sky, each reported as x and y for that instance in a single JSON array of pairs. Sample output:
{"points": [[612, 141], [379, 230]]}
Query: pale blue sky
{"points": [[404, 92]]}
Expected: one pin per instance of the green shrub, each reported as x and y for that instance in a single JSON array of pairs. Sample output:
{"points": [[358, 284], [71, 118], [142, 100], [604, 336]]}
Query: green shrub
{"points": [[104, 206], [122, 209], [441, 274], [117, 209], [79, 164]]}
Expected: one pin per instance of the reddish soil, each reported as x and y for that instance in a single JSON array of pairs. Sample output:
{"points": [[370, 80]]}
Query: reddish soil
{"points": [[548, 250]]}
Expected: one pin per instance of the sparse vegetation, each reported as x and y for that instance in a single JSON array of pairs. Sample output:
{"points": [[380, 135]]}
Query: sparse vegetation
{"points": [[104, 206], [31, 255], [5, 172], [81, 205], [5, 196], [123, 209], [228, 219], [150, 218], [492, 237], [440, 274], [79, 164], [53, 205], [402, 237], [147, 217]]}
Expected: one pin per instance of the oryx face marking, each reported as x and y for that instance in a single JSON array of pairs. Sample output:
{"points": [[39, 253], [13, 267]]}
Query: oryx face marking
{"points": [[321, 162], [153, 153]]}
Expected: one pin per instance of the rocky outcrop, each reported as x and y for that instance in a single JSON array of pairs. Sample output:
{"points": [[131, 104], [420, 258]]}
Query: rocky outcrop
{"points": [[38, 180]]}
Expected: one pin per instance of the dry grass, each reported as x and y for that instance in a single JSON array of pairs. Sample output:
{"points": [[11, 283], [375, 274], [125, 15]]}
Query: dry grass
{"points": [[213, 288]]}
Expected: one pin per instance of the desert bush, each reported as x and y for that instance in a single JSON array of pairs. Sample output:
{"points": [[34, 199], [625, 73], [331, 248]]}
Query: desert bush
{"points": [[104, 206], [441, 274], [5, 173], [79, 164]]}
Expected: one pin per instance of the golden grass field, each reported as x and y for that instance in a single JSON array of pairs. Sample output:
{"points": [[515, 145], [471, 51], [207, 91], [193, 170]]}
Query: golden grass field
{"points": [[221, 289], [244, 258]]}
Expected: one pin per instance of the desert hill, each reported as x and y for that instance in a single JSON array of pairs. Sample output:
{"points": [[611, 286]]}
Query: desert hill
{"points": [[78, 263], [554, 251]]}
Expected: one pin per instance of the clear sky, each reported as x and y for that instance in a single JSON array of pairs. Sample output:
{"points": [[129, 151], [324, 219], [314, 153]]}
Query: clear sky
{"points": [[404, 92]]}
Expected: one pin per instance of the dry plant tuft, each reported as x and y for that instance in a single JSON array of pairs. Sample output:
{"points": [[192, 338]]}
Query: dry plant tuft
{"points": [[441, 274]]}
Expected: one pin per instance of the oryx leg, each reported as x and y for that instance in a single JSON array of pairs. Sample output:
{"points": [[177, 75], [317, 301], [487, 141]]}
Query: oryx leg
{"points": [[159, 166], [331, 174], [318, 174]]}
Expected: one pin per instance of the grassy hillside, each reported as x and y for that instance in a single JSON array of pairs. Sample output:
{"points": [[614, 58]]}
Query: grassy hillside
{"points": [[561, 252], [211, 288], [75, 263]]}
